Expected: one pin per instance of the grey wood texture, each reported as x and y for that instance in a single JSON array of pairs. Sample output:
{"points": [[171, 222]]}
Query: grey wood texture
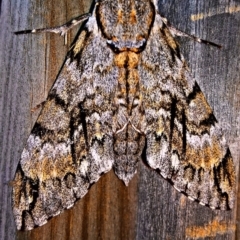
{"points": [[149, 208]]}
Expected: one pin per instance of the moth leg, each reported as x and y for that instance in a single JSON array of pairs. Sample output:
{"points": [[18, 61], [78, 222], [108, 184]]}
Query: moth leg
{"points": [[62, 30], [177, 32]]}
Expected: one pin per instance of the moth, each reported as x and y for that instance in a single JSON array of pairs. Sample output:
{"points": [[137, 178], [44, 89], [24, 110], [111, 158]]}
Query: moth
{"points": [[124, 93]]}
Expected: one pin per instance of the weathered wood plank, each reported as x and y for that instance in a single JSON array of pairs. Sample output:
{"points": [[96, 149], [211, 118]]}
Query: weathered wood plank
{"points": [[149, 208]]}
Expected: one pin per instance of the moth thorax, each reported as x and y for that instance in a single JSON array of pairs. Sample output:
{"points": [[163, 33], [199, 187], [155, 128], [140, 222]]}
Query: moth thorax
{"points": [[126, 59]]}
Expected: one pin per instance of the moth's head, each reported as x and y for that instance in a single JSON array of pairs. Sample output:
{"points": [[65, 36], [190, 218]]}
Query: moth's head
{"points": [[125, 24]]}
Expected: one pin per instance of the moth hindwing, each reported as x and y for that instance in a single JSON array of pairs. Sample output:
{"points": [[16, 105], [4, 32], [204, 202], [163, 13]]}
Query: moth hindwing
{"points": [[124, 87]]}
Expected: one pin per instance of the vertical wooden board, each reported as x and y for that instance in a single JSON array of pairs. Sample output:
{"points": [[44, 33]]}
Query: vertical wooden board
{"points": [[163, 213]]}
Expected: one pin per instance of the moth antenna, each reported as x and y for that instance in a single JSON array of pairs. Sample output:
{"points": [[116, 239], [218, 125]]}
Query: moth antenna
{"points": [[177, 32], [62, 30]]}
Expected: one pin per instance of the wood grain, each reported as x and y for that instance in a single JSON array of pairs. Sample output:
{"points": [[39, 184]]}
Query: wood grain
{"points": [[150, 208]]}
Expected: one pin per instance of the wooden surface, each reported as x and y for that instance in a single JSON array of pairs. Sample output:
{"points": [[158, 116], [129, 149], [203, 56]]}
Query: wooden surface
{"points": [[149, 208]]}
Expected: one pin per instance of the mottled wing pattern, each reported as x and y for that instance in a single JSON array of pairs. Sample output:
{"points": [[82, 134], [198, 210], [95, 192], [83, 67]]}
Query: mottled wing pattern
{"points": [[183, 139], [70, 145]]}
